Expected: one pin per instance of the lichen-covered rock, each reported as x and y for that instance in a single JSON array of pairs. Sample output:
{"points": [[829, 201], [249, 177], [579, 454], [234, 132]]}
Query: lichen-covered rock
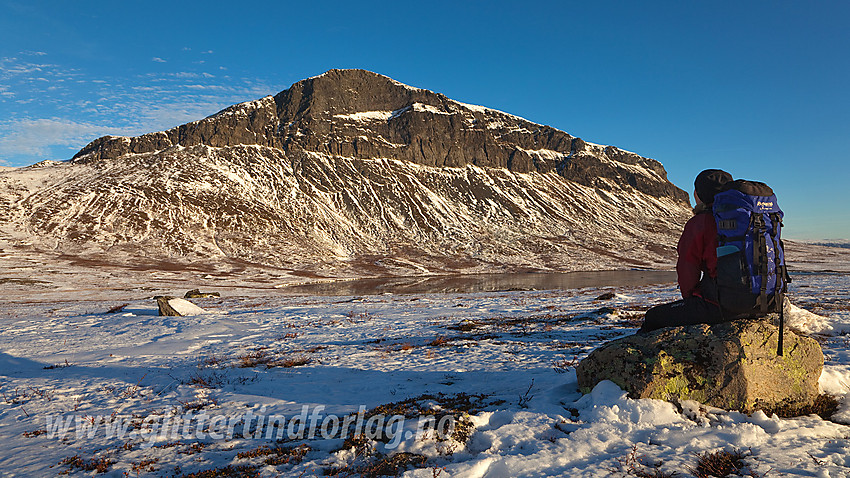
{"points": [[733, 365]]}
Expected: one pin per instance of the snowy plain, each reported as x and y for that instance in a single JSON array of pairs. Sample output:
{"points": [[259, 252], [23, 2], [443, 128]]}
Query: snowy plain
{"points": [[500, 363]]}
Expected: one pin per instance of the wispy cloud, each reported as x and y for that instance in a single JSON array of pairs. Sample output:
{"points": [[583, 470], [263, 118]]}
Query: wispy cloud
{"points": [[158, 60], [204, 87], [11, 67], [36, 137], [48, 108], [167, 115], [25, 80]]}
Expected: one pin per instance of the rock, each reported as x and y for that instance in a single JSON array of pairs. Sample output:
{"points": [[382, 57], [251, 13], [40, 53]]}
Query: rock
{"points": [[165, 308], [197, 294], [174, 307], [117, 309], [731, 365]]}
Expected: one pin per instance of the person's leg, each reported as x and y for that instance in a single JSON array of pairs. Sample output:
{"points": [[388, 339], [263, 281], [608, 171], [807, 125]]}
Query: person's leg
{"points": [[693, 310]]}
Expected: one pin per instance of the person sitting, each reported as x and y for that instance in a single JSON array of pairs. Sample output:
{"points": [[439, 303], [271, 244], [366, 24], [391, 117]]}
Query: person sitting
{"points": [[697, 263]]}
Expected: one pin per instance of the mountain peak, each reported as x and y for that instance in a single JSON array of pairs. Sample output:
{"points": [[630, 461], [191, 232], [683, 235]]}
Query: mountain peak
{"points": [[352, 173], [364, 115]]}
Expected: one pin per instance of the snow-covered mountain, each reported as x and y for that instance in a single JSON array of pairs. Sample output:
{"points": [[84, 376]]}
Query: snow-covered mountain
{"points": [[352, 173], [843, 243]]}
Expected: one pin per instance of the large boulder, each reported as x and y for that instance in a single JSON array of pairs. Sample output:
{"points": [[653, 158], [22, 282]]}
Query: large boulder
{"points": [[733, 365]]}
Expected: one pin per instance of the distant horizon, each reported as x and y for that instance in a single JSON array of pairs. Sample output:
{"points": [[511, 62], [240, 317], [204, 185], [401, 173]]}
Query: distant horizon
{"points": [[758, 89]]}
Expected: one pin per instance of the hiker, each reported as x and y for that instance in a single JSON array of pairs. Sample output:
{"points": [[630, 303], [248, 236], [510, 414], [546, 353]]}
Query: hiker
{"points": [[697, 256]]}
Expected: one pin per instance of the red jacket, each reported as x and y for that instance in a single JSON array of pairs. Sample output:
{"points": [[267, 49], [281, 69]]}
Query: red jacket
{"points": [[697, 252]]}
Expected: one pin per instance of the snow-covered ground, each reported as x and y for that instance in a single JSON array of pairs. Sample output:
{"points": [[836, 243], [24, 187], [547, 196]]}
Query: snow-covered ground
{"points": [[204, 392]]}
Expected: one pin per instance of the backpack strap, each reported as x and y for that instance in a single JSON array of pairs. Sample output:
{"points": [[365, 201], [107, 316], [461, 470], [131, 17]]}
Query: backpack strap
{"points": [[776, 223], [722, 240], [781, 275], [780, 297], [760, 228], [786, 278]]}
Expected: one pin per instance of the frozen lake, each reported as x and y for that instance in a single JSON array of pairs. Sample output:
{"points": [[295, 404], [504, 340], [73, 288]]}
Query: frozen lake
{"points": [[484, 283]]}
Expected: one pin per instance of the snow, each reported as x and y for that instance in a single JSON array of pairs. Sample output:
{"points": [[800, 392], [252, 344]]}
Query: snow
{"points": [[387, 115], [367, 116], [600, 147], [844, 243], [420, 107], [809, 323], [477, 108], [185, 308], [66, 357], [545, 153], [243, 108], [285, 204]]}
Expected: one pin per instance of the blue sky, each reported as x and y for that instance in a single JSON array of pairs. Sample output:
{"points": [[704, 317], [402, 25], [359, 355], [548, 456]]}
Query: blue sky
{"points": [[757, 88]]}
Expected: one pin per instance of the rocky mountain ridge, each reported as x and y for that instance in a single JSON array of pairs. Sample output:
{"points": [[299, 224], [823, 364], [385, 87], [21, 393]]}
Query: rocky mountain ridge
{"points": [[350, 174], [330, 113]]}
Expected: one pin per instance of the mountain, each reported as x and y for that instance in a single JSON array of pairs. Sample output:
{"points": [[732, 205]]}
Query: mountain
{"points": [[351, 173], [842, 243]]}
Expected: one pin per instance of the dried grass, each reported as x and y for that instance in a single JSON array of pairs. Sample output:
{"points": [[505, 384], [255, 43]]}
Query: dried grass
{"points": [[98, 465], [720, 464]]}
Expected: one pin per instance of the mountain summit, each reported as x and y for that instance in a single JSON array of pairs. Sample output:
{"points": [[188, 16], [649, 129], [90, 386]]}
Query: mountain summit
{"points": [[353, 173], [364, 115]]}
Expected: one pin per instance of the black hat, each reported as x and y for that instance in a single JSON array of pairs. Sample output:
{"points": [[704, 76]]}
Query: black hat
{"points": [[710, 182]]}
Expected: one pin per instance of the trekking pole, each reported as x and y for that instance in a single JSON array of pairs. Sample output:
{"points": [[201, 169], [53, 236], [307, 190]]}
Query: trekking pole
{"points": [[781, 322]]}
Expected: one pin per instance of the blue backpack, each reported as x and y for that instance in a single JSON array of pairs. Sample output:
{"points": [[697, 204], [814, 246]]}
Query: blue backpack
{"points": [[751, 275]]}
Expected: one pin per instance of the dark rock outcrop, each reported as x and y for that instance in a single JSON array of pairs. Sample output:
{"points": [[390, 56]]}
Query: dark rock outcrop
{"points": [[197, 294], [732, 365]]}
